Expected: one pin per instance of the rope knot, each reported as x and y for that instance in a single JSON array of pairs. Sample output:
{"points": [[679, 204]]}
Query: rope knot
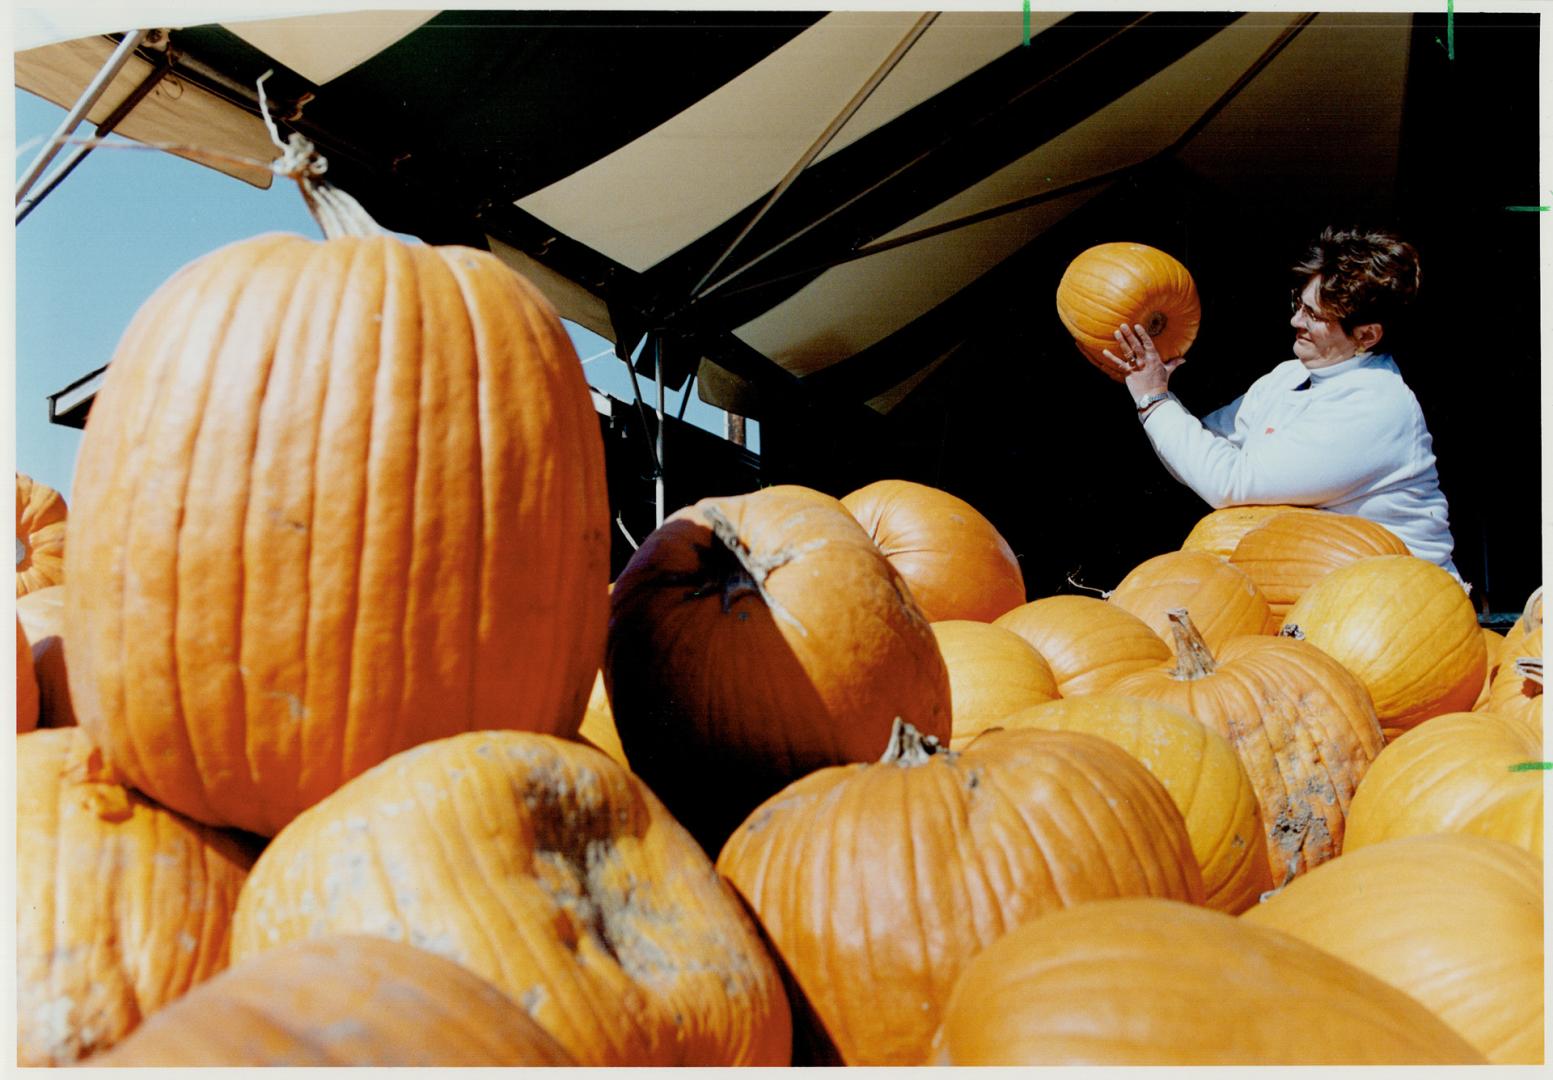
{"points": [[299, 158]]}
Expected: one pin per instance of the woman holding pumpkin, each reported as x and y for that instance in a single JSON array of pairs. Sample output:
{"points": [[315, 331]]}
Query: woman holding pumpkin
{"points": [[1336, 427]]}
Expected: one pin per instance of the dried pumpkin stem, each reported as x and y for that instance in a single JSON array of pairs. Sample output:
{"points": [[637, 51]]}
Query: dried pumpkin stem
{"points": [[908, 747], [752, 570], [337, 212], [1530, 668], [1193, 660]]}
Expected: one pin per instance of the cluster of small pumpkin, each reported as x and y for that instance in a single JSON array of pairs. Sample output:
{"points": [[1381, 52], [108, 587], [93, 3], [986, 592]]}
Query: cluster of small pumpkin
{"points": [[332, 602]]}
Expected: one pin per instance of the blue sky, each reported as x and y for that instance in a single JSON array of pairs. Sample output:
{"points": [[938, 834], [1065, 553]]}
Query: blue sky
{"points": [[118, 226]]}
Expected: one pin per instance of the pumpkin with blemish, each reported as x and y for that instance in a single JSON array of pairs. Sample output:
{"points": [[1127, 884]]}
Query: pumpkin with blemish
{"points": [[1289, 552], [876, 883], [756, 638], [41, 519], [547, 868], [121, 905], [1302, 725], [348, 999], [956, 563], [1087, 642], [335, 499], [1143, 981], [1200, 770]]}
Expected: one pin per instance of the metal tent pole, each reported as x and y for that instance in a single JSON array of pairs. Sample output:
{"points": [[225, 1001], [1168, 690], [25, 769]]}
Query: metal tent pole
{"points": [[89, 97], [657, 359]]}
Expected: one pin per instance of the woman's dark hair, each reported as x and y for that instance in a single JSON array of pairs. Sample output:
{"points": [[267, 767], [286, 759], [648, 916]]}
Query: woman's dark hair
{"points": [[1366, 276]]}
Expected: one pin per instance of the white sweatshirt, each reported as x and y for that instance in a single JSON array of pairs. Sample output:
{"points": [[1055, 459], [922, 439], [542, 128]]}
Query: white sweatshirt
{"points": [[1354, 441]]}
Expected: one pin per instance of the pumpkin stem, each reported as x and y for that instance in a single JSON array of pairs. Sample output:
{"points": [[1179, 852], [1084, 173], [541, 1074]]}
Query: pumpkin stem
{"points": [[1155, 323], [337, 213], [1102, 593], [1193, 660], [908, 747], [1530, 612], [1529, 668], [749, 573], [1292, 630]]}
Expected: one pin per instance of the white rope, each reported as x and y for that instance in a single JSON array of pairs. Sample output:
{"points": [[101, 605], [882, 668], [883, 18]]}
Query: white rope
{"points": [[336, 211]]}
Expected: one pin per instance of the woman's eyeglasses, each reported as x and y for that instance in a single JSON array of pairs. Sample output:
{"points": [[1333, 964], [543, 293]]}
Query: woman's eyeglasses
{"points": [[1297, 304]]}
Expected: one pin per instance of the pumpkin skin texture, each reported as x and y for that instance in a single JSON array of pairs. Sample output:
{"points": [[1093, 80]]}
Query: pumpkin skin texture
{"points": [[336, 498], [1517, 688], [121, 904], [1454, 921], [42, 614], [1219, 531], [1289, 552], [755, 638], [1406, 630], [548, 869], [992, 672], [1143, 981], [1198, 768], [26, 683], [1493, 647], [1087, 642], [876, 883], [1110, 284], [41, 517], [598, 724], [956, 563], [1225, 602], [1302, 725], [347, 999], [1455, 774]]}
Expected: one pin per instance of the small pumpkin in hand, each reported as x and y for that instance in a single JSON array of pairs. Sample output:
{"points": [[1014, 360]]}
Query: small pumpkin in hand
{"points": [[1113, 283]]}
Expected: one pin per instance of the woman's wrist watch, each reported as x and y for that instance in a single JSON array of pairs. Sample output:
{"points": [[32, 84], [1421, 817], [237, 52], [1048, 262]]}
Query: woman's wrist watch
{"points": [[1146, 402]]}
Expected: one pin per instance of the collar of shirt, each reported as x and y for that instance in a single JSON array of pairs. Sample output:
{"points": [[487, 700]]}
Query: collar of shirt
{"points": [[1316, 375]]}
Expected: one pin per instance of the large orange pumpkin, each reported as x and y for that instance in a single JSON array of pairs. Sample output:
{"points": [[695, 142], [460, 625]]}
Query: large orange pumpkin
{"points": [[1406, 630], [1219, 531], [1303, 726], [1144, 981], [1455, 921], [547, 868], [1475, 773], [1198, 768], [755, 638], [1289, 552], [41, 517], [42, 614], [121, 904], [26, 682], [1087, 642], [956, 563], [992, 672], [876, 883], [1224, 601], [348, 999], [335, 499], [1110, 284]]}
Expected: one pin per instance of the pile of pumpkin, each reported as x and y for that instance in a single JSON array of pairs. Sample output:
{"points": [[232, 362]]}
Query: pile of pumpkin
{"points": [[351, 754]]}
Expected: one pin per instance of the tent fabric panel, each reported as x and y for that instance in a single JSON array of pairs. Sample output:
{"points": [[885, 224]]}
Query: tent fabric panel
{"points": [[322, 47], [569, 298], [174, 112]]}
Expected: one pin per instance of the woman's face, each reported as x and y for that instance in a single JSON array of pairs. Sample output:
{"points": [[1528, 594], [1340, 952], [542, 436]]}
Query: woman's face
{"points": [[1318, 341]]}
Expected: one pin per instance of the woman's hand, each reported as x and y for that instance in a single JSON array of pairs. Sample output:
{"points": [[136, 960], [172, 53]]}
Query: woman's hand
{"points": [[1139, 361]]}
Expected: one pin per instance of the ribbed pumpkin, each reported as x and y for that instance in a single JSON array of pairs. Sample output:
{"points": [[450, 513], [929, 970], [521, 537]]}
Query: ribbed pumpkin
{"points": [[755, 638], [542, 865], [347, 999], [1518, 686], [1087, 642], [1454, 921], [1531, 619], [42, 614], [335, 499], [1198, 768], [1467, 772], [1302, 725], [121, 904], [992, 672], [1406, 630], [1224, 601], [1152, 982], [1219, 531], [26, 682], [1493, 647], [876, 883], [1110, 284], [955, 561], [41, 517], [1289, 552]]}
